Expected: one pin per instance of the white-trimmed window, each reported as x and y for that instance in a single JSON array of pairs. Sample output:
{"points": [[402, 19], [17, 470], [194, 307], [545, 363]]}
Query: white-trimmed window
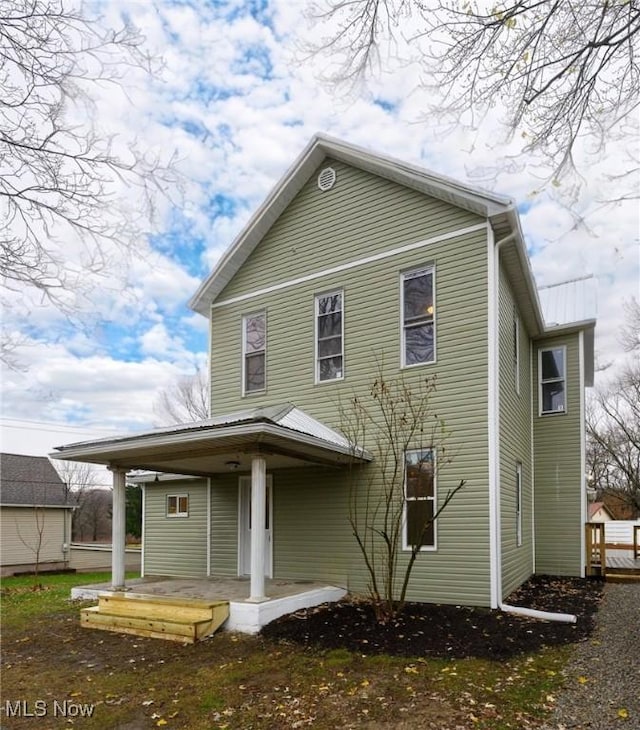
{"points": [[329, 309], [518, 503], [418, 317], [516, 352], [552, 367], [177, 505], [419, 499], [254, 353]]}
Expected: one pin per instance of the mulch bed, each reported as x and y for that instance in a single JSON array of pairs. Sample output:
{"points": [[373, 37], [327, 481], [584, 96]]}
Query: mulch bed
{"points": [[434, 630]]}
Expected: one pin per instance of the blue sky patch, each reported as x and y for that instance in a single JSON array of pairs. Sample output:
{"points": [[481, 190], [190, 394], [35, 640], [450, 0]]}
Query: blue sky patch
{"points": [[385, 105]]}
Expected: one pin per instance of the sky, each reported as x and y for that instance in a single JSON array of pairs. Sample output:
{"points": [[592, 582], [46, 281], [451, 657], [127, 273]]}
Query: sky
{"points": [[234, 102]]}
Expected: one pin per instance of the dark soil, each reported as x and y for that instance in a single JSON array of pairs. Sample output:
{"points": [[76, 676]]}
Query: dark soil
{"points": [[434, 630]]}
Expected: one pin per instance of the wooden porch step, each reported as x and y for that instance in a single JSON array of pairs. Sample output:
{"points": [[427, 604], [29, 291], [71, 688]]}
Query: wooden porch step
{"points": [[177, 619]]}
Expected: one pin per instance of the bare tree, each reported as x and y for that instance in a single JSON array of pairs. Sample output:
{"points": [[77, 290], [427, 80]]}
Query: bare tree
{"points": [[92, 518], [80, 482], [630, 330], [564, 71], [186, 400], [37, 542], [77, 478], [392, 501], [59, 173], [613, 433]]}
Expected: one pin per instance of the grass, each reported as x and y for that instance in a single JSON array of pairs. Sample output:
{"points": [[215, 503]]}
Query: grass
{"points": [[238, 681], [27, 597]]}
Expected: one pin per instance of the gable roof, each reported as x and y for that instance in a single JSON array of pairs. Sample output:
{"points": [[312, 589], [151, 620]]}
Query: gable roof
{"points": [[30, 481], [500, 212], [475, 200], [594, 507]]}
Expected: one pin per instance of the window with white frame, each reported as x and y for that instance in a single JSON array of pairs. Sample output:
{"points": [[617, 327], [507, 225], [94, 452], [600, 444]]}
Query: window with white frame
{"points": [[329, 336], [552, 367], [254, 350], [177, 505], [419, 499], [518, 504], [516, 351], [418, 323]]}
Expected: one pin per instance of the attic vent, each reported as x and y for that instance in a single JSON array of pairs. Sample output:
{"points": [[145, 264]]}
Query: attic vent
{"points": [[327, 179]]}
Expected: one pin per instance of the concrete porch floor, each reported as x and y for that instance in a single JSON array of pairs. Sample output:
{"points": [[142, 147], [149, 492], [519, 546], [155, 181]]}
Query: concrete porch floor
{"points": [[284, 596]]}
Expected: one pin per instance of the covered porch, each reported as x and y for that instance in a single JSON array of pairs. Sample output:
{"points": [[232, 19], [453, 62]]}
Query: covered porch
{"points": [[247, 442]]}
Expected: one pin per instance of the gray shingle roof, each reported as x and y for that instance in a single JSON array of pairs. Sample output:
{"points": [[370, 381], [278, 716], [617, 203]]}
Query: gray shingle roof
{"points": [[30, 480]]}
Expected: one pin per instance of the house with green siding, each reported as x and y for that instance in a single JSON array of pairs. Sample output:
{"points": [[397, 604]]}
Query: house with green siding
{"points": [[359, 266]]}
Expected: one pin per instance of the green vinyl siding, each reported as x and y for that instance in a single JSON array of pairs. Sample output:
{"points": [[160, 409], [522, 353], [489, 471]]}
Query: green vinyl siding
{"points": [[313, 540], [458, 571], [224, 524], [362, 215], [175, 546], [515, 443], [558, 471]]}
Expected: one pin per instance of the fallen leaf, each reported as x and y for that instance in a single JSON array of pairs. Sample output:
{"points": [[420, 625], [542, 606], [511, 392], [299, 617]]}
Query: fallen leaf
{"points": [[623, 713], [582, 680]]}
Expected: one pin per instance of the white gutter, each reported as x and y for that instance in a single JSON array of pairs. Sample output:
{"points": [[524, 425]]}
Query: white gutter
{"points": [[495, 547]]}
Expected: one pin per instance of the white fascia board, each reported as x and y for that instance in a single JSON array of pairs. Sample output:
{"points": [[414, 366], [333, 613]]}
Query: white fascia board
{"points": [[568, 328], [479, 201], [525, 263], [259, 223]]}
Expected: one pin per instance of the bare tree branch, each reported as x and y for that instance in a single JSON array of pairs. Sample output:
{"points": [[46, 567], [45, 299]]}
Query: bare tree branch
{"points": [[186, 400], [61, 176], [565, 71]]}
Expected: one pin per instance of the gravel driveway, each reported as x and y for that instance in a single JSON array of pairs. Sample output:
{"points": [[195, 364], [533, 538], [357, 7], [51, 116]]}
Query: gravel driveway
{"points": [[602, 687]]}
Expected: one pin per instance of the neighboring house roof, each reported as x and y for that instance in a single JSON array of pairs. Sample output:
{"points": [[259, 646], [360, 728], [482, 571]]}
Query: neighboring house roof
{"points": [[30, 481], [284, 430], [595, 507]]}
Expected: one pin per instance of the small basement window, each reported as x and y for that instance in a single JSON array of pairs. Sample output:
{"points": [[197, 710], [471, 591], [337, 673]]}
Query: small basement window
{"points": [[177, 505]]}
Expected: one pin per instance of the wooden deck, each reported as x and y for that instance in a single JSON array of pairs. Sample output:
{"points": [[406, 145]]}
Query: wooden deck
{"points": [[620, 561]]}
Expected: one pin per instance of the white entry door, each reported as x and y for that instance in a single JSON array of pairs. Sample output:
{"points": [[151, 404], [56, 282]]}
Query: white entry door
{"points": [[244, 532]]}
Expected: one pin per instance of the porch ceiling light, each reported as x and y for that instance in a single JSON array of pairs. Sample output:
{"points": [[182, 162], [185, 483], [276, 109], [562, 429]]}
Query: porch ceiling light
{"points": [[232, 464]]}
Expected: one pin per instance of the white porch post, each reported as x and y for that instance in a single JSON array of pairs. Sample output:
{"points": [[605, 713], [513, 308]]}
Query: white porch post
{"points": [[258, 533], [118, 527]]}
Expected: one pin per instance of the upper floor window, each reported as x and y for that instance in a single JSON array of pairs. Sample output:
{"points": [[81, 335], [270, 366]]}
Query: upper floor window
{"points": [[254, 350], [329, 337], [177, 505], [552, 366], [419, 499], [418, 323]]}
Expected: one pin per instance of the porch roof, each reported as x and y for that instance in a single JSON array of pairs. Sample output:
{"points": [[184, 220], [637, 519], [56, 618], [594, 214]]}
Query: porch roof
{"points": [[286, 435]]}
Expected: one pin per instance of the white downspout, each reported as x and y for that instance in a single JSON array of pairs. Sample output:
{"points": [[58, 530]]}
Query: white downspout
{"points": [[494, 445], [567, 618]]}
